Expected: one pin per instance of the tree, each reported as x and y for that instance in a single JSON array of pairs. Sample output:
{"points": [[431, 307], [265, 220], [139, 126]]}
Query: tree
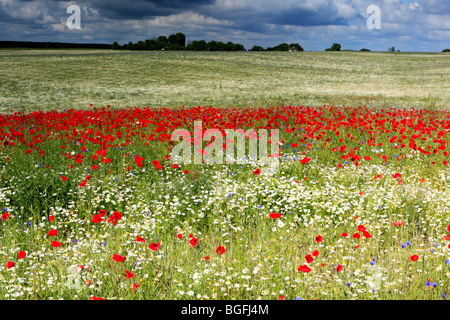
{"points": [[257, 48], [116, 46], [446, 50], [295, 47], [177, 41], [364, 49], [334, 47], [129, 46], [150, 44]]}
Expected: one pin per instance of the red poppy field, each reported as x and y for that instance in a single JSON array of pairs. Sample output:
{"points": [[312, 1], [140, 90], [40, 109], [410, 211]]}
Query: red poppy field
{"points": [[94, 207]]}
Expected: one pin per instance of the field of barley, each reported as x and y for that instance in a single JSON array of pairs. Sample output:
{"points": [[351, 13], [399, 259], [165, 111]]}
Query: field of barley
{"points": [[95, 204]]}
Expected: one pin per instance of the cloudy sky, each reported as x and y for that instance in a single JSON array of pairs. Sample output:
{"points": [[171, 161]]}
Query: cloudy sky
{"points": [[419, 25]]}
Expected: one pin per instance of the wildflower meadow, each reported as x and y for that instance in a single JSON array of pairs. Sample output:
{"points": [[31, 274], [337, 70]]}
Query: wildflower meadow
{"points": [[96, 205]]}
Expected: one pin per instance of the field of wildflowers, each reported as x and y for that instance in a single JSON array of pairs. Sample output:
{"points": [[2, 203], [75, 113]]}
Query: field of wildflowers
{"points": [[94, 207]]}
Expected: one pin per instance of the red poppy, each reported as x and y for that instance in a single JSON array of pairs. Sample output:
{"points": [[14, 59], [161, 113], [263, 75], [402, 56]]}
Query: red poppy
{"points": [[51, 218], [309, 258], [339, 268], [10, 264], [257, 171], [139, 239], [94, 167], [414, 257], [96, 298], [193, 242], [220, 250], [366, 234], [344, 234], [356, 235], [97, 218], [315, 253], [5, 216], [56, 244], [305, 160], [179, 236], [304, 268], [206, 258], [155, 162], [22, 254], [319, 238], [135, 286], [155, 246], [361, 228], [448, 228], [174, 166], [53, 232], [128, 274], [273, 215], [102, 213], [119, 258]]}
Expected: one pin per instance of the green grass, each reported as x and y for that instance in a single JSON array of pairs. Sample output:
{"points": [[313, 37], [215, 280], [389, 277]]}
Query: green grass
{"points": [[61, 79]]}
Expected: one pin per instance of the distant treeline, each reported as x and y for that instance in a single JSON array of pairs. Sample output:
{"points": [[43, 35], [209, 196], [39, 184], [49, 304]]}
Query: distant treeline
{"points": [[178, 42], [52, 45]]}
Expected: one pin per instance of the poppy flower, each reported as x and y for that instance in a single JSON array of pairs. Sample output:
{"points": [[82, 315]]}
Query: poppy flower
{"points": [[128, 274], [96, 298], [319, 238], [51, 218], [56, 244], [304, 268], [448, 228], [309, 258], [179, 236], [257, 171], [139, 239], [97, 218], [273, 215], [193, 242], [102, 213], [119, 258], [22, 254], [361, 228], [315, 253], [366, 234], [53, 232], [220, 250], [155, 246], [5, 216], [174, 166], [414, 257], [206, 258], [339, 268], [344, 234], [305, 160], [10, 264], [135, 286], [356, 235]]}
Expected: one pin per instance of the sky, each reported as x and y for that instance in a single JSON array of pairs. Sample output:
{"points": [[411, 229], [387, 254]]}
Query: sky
{"points": [[420, 25]]}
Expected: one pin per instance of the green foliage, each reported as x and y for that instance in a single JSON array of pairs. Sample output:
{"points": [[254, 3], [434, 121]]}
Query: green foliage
{"points": [[334, 47]]}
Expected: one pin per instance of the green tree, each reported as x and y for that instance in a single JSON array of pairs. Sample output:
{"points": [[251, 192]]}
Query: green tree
{"points": [[257, 48], [116, 46], [334, 47], [446, 50], [295, 47], [177, 41]]}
